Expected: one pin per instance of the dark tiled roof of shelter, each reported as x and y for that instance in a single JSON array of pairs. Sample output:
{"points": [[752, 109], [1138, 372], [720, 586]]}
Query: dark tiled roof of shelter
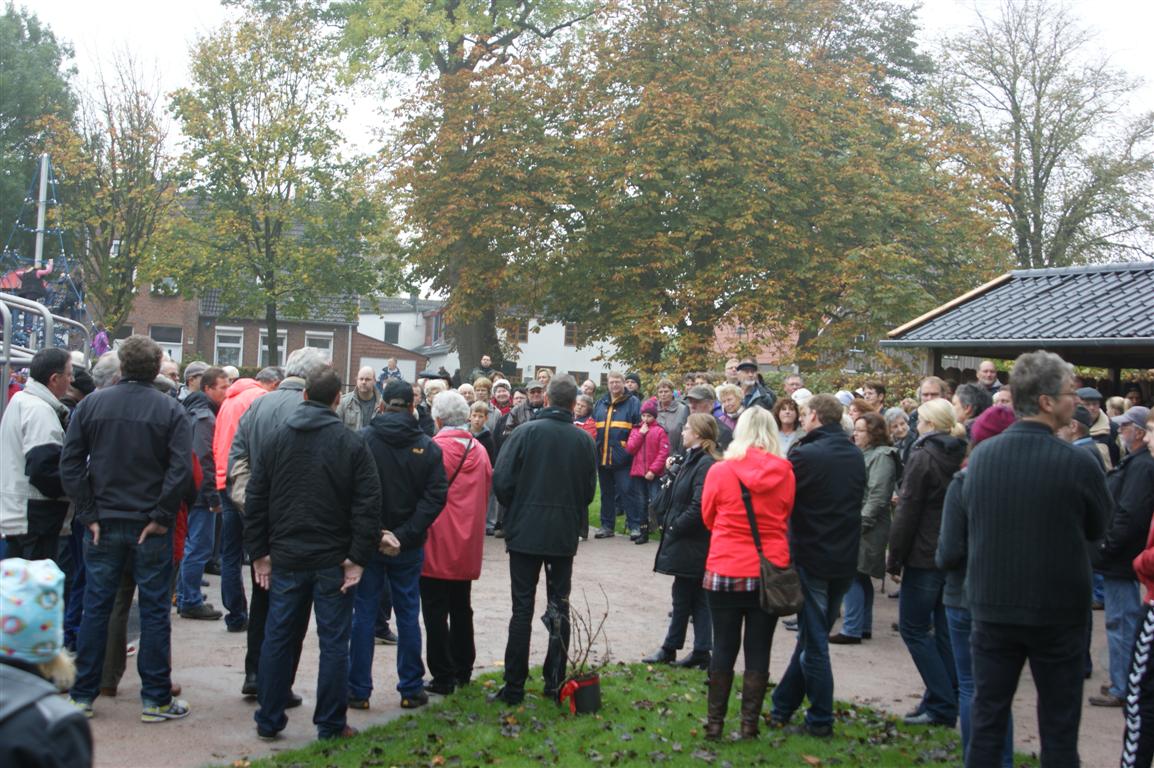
{"points": [[398, 304], [1097, 304], [330, 309]]}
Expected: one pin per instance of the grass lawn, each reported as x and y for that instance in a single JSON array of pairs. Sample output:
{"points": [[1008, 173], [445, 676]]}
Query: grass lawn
{"points": [[649, 716]]}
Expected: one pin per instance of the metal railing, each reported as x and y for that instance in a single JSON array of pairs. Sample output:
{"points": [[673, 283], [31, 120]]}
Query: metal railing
{"points": [[12, 354]]}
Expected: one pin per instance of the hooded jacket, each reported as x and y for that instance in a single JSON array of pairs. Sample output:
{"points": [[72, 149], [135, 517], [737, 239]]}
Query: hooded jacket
{"points": [[202, 413], [649, 450], [546, 477], [1132, 488], [684, 537], [615, 419], [882, 469], [313, 497], [37, 726], [240, 396], [457, 537], [825, 527], [412, 476], [934, 459], [31, 436], [772, 487]]}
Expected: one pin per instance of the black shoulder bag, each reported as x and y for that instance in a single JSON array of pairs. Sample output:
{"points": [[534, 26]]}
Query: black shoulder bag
{"points": [[780, 592]]}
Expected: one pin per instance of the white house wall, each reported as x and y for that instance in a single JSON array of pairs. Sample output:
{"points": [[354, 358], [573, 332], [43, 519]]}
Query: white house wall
{"points": [[411, 333]]}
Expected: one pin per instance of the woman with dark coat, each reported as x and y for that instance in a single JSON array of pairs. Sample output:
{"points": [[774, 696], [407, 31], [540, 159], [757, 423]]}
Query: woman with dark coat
{"points": [[684, 546], [935, 457]]}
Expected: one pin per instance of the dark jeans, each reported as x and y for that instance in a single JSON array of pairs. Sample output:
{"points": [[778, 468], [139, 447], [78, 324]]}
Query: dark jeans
{"points": [[923, 626], [524, 571], [619, 491], [385, 611], [689, 601], [448, 611], [232, 593], [809, 673], [961, 625], [257, 618], [1138, 739], [292, 594], [732, 613], [74, 598], [34, 546], [403, 574], [151, 564], [1055, 657]]}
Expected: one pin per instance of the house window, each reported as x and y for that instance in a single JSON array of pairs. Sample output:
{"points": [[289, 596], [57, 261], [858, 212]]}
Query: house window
{"points": [[519, 332], [282, 342], [571, 335], [393, 333], [322, 342], [229, 347], [165, 287], [605, 381], [518, 375], [170, 338], [438, 327], [579, 376]]}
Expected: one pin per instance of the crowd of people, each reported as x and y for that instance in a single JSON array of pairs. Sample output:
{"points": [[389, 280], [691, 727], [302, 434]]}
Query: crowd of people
{"points": [[995, 507]]}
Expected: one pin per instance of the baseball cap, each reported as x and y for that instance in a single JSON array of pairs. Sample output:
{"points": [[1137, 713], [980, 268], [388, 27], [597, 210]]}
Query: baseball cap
{"points": [[1137, 416], [701, 392], [747, 365], [398, 393]]}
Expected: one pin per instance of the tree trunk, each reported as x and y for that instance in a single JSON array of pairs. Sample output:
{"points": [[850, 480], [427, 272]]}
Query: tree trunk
{"points": [[271, 330], [477, 337]]}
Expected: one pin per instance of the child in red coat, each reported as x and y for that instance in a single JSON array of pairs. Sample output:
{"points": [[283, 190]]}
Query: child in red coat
{"points": [[649, 445]]}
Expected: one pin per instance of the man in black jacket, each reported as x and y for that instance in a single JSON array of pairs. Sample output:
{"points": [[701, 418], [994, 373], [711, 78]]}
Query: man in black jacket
{"points": [[1032, 503], [310, 526], [824, 535], [546, 476], [413, 482], [1131, 485], [126, 465]]}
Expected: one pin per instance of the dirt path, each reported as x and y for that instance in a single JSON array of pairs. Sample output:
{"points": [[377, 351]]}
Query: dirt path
{"points": [[209, 663]]}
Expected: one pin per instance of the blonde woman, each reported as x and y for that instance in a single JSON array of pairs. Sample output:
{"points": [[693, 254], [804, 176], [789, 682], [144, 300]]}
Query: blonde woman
{"points": [[936, 455], [753, 467]]}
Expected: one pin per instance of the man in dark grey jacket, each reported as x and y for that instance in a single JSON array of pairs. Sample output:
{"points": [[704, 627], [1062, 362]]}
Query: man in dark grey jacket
{"points": [[546, 476], [260, 423], [126, 465], [1032, 503]]}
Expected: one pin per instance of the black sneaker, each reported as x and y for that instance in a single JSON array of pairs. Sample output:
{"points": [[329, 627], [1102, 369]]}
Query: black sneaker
{"points": [[250, 687], [604, 533], [212, 567], [413, 701], [202, 611], [439, 688], [507, 696], [388, 638]]}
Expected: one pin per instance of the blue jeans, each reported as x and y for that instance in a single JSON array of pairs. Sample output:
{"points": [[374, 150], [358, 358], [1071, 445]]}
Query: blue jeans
{"points": [[151, 564], [403, 573], [809, 674], [961, 623], [74, 602], [1123, 613], [923, 627], [197, 551], [859, 607], [232, 565], [619, 490], [289, 596]]}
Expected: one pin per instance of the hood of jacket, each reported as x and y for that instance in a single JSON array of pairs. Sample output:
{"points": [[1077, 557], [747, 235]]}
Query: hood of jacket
{"points": [[757, 473], [197, 401], [241, 385], [946, 450], [38, 390], [310, 416], [397, 429]]}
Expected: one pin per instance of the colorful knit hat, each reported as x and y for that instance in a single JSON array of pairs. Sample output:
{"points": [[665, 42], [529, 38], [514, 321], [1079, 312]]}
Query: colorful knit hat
{"points": [[31, 610]]}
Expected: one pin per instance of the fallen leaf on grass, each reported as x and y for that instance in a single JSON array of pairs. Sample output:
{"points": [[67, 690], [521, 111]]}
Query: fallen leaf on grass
{"points": [[811, 760], [704, 755], [240, 764]]}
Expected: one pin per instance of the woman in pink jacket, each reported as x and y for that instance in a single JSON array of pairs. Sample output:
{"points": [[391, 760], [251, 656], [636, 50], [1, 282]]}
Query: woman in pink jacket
{"points": [[649, 445], [454, 548]]}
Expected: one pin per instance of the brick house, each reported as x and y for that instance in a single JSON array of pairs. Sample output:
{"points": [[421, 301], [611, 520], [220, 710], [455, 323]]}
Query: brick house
{"points": [[199, 329]]}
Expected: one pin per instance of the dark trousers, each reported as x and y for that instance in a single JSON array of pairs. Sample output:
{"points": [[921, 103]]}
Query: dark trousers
{"points": [[449, 648], [257, 618], [1055, 657], [385, 610], [739, 622], [35, 546], [1138, 739], [689, 602], [293, 595], [619, 491], [524, 571]]}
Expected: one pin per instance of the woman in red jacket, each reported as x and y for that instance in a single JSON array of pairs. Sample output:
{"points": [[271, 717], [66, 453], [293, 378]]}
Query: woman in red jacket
{"points": [[752, 466]]}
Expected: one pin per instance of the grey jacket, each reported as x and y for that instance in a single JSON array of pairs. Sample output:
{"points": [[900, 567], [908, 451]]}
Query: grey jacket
{"points": [[349, 410], [881, 463], [263, 418]]}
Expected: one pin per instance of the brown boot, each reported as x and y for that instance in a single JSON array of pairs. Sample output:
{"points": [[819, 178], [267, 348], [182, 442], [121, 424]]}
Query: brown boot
{"points": [[753, 687], [719, 684]]}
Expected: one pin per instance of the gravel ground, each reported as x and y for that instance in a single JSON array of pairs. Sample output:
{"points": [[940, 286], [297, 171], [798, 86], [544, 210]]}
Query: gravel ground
{"points": [[209, 663]]}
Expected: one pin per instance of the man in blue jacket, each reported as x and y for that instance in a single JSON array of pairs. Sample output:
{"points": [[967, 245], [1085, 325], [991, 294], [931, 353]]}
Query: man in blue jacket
{"points": [[616, 413]]}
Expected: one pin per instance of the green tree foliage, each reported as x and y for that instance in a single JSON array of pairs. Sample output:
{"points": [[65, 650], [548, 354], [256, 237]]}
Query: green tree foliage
{"points": [[34, 83], [275, 219], [469, 171], [1079, 171], [117, 186], [742, 171]]}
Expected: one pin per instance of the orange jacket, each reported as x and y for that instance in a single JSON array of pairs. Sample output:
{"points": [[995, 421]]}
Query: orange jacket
{"points": [[772, 487], [241, 395]]}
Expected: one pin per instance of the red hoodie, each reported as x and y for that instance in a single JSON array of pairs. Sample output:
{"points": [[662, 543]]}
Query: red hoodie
{"points": [[649, 451], [771, 485], [241, 395]]}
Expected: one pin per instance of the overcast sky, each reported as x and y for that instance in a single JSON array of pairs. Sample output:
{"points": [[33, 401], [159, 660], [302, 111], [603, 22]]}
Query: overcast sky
{"points": [[159, 35]]}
